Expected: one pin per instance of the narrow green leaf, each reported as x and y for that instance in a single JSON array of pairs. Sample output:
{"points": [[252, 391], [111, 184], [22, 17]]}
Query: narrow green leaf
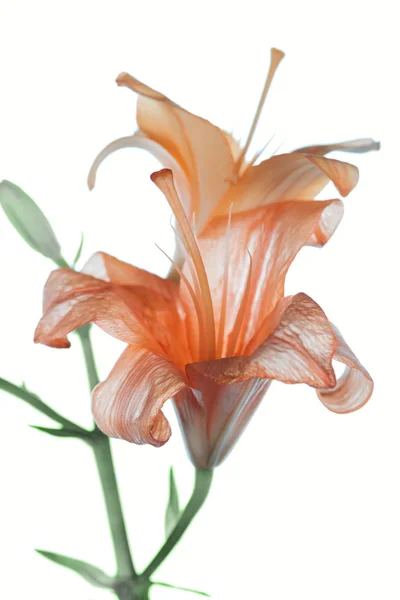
{"points": [[79, 252], [172, 511], [92, 574], [182, 589], [64, 432], [29, 221]]}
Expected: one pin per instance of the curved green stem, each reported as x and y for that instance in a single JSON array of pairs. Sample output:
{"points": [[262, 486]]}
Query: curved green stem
{"points": [[105, 466], [201, 488]]}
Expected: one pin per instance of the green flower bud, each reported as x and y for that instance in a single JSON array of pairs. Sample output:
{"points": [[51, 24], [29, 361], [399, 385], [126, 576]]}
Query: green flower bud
{"points": [[29, 221]]}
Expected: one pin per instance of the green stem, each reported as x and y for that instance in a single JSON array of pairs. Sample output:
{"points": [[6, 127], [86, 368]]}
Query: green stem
{"points": [[35, 402], [201, 488], [105, 466], [84, 336]]}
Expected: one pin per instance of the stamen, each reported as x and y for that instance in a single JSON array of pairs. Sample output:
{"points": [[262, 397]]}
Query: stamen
{"points": [[258, 154], [196, 304], [234, 338], [276, 57], [165, 182], [222, 319]]}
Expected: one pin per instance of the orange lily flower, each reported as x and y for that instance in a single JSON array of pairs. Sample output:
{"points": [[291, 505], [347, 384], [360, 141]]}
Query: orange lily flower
{"points": [[209, 166], [214, 340]]}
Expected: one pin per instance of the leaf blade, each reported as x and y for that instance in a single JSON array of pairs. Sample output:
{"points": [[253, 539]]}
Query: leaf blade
{"points": [[89, 572], [172, 511], [79, 252]]}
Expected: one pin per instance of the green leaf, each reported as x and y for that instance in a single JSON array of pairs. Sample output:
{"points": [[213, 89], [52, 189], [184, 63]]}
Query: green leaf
{"points": [[182, 589], [92, 574], [64, 432], [29, 221], [172, 511], [79, 252]]}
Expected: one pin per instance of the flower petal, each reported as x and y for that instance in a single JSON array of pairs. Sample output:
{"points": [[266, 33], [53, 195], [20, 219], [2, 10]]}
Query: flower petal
{"points": [[129, 303], [201, 149], [298, 348], [272, 235], [287, 177], [72, 300], [355, 146], [354, 388], [212, 416], [139, 140], [128, 403]]}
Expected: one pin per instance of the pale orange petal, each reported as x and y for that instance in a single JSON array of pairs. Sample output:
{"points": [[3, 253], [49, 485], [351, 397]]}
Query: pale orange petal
{"points": [[129, 303], [213, 416], [287, 177], [201, 149], [72, 300], [354, 388], [139, 140], [128, 403], [298, 349], [354, 146], [272, 235]]}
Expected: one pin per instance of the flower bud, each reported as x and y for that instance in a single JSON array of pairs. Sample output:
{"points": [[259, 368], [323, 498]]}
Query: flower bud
{"points": [[29, 221]]}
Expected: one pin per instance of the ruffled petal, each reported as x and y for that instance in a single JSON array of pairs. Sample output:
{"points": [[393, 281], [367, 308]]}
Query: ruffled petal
{"points": [[200, 148], [131, 304], [354, 146], [128, 403], [72, 300], [354, 388], [298, 348], [266, 240], [287, 177]]}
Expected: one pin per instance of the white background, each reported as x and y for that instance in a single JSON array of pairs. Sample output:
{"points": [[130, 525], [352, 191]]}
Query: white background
{"points": [[307, 505]]}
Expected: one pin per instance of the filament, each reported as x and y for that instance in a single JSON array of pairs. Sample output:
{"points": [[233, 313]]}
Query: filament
{"points": [[276, 57], [221, 327], [191, 293], [234, 338], [164, 181]]}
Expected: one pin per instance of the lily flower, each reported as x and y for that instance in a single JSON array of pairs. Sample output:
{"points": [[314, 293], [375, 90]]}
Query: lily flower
{"points": [[209, 166], [214, 340]]}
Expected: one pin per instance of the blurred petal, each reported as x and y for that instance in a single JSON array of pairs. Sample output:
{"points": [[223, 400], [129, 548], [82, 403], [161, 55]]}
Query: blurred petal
{"points": [[200, 148], [287, 177], [354, 388], [128, 403], [272, 235], [298, 348], [212, 416], [355, 146]]}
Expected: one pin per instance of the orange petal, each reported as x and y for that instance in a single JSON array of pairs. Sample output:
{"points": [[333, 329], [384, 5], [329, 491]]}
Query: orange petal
{"points": [[355, 146], [272, 235], [213, 416], [287, 177], [201, 149], [72, 300], [354, 388], [129, 303], [128, 403], [298, 348], [139, 140]]}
